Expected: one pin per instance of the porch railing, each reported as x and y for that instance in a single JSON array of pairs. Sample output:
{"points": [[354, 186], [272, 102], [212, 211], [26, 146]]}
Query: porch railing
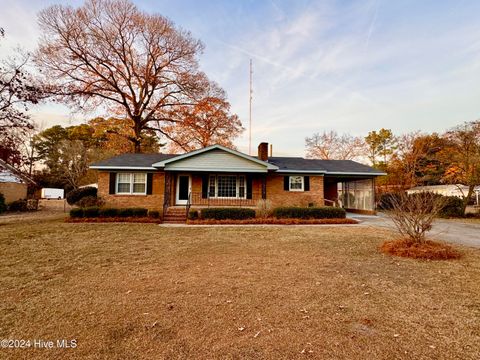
{"points": [[203, 199]]}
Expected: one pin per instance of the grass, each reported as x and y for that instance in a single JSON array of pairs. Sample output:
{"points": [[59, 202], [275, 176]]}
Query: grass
{"points": [[141, 291]]}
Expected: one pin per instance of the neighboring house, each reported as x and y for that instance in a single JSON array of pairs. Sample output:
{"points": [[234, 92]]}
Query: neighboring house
{"points": [[218, 176], [13, 184], [457, 190]]}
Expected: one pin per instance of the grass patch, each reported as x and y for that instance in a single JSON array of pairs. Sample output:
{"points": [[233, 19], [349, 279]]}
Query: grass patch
{"points": [[141, 291], [428, 250]]}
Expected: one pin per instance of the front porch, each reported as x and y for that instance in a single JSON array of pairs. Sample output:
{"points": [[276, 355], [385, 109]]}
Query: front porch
{"points": [[214, 189]]}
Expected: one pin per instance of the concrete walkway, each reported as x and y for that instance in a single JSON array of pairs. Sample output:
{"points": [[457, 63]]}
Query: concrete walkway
{"points": [[453, 231]]}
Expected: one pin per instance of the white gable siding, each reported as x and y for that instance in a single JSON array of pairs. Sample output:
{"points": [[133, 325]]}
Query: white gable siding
{"points": [[8, 176], [216, 160]]}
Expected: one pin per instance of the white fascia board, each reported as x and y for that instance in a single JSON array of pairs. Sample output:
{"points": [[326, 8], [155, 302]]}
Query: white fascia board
{"points": [[354, 173], [212, 147], [301, 172], [219, 170], [101, 167]]}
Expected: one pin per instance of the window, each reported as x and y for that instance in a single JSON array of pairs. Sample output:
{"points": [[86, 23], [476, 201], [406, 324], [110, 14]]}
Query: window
{"points": [[227, 186], [211, 186], [296, 183], [131, 183]]}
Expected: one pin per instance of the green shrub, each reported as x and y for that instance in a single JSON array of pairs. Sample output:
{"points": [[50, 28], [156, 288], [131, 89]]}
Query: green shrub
{"points": [[154, 214], [125, 212], [139, 212], [91, 211], [3, 206], [76, 213], [453, 207], [193, 214], [227, 213], [108, 212], [76, 195], [325, 212], [18, 205]]}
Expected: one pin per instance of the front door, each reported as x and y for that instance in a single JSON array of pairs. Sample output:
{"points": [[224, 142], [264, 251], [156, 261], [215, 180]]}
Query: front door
{"points": [[183, 189]]}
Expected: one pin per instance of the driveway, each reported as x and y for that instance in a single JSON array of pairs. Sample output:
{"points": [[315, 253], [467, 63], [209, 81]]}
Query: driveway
{"points": [[454, 231]]}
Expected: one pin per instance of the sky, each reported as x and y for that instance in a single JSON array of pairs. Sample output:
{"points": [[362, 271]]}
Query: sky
{"points": [[349, 66]]}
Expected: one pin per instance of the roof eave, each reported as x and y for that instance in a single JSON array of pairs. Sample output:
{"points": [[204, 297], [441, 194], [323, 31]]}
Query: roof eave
{"points": [[112, 167]]}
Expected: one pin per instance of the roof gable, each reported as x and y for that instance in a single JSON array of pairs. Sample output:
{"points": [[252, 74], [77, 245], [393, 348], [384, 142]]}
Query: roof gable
{"points": [[215, 158]]}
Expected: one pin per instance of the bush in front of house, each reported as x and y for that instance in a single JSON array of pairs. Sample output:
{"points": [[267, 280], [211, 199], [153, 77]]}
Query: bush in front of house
{"points": [[193, 214], [324, 212], [132, 212], [108, 212], [139, 212], [91, 212], [3, 206], [74, 196], [76, 213], [154, 214], [18, 205], [227, 213]]}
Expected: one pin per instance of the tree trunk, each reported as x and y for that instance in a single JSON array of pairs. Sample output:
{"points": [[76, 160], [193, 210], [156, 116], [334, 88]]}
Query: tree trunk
{"points": [[466, 199], [137, 142]]}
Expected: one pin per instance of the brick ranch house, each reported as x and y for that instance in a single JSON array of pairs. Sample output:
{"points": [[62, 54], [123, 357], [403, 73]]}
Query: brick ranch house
{"points": [[218, 176]]}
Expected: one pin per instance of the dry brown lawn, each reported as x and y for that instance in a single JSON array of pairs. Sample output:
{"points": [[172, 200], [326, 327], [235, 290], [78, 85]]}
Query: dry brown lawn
{"points": [[141, 291]]}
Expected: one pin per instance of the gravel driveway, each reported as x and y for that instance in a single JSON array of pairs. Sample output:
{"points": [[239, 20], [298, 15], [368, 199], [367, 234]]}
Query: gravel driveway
{"points": [[454, 231]]}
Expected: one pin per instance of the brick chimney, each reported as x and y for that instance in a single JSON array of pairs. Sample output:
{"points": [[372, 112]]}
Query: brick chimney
{"points": [[263, 151]]}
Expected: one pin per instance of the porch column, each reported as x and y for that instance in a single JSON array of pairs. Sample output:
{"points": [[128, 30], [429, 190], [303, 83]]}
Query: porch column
{"points": [[264, 187], [166, 193]]}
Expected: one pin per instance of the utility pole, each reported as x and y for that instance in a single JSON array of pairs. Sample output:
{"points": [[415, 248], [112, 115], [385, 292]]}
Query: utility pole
{"points": [[250, 111]]}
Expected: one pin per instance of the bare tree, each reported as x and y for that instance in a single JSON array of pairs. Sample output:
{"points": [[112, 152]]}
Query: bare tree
{"points": [[18, 90], [108, 54], [413, 215], [332, 146]]}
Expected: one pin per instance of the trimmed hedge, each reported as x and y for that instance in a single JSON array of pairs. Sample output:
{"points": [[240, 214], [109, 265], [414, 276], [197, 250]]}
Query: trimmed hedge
{"points": [[325, 212], [91, 211], [108, 212], [227, 213], [193, 215], [154, 214], [76, 213], [3, 206], [76, 195]]}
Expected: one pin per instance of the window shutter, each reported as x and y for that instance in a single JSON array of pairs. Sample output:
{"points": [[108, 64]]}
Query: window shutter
{"points": [[149, 183], [111, 189], [286, 184], [249, 186], [204, 186], [306, 183]]}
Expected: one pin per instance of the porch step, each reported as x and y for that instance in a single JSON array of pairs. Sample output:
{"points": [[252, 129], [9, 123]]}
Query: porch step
{"points": [[175, 216]]}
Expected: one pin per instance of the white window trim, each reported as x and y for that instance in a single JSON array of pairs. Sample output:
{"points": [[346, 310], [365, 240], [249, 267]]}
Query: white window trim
{"points": [[237, 187], [131, 185], [290, 183]]}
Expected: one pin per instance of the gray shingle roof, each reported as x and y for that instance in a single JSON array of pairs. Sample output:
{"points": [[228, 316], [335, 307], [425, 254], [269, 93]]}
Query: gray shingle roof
{"points": [[328, 166], [286, 164], [133, 160]]}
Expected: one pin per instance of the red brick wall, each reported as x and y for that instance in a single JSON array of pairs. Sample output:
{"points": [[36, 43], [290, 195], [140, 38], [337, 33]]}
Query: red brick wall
{"points": [[275, 192], [280, 197], [13, 191], [151, 202]]}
